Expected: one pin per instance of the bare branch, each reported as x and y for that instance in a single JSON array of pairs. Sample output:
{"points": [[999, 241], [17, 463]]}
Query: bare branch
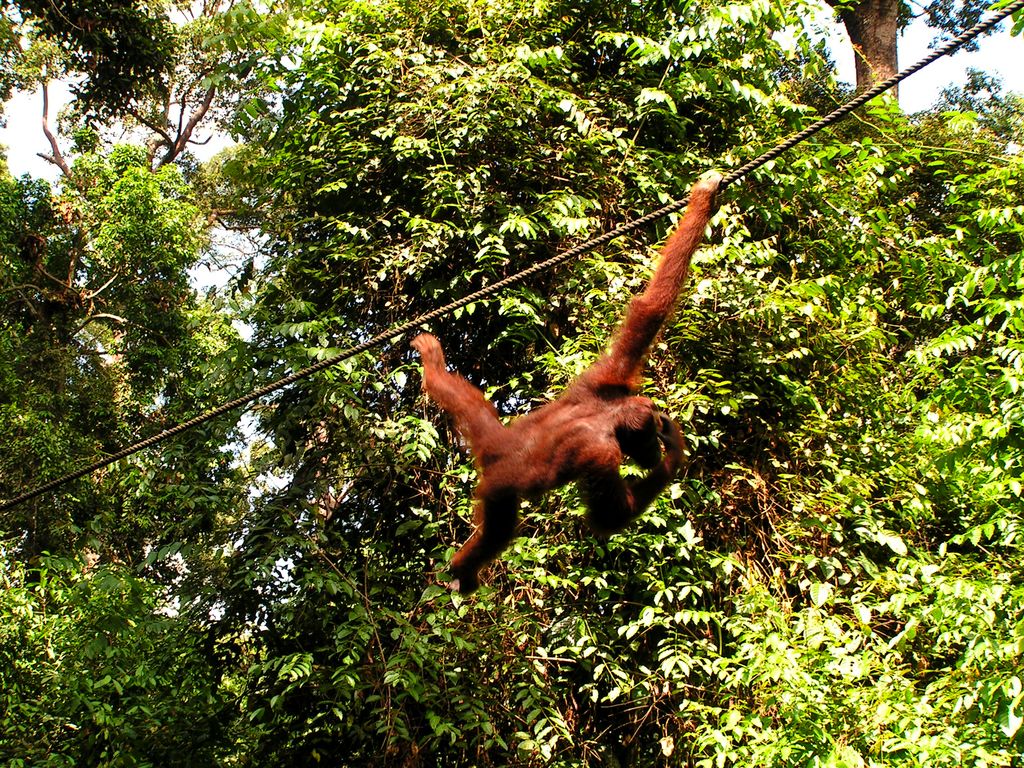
{"points": [[99, 316], [93, 294], [19, 288], [152, 126], [185, 134], [56, 158], [65, 286], [108, 316]]}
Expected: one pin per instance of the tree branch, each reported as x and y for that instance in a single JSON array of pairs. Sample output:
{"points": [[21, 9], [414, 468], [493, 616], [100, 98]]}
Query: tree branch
{"points": [[56, 158], [185, 134], [99, 316], [93, 294], [152, 126]]}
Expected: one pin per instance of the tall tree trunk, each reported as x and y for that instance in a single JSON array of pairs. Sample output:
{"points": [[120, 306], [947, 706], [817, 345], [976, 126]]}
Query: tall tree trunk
{"points": [[872, 27]]}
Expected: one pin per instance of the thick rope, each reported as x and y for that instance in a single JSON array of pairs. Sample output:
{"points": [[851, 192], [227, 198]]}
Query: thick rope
{"points": [[579, 250]]}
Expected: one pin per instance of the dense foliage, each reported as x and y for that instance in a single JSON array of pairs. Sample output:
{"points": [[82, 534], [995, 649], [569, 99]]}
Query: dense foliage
{"points": [[836, 577], [121, 48]]}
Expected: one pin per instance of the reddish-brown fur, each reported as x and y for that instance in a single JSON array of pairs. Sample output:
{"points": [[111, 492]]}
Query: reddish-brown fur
{"points": [[582, 435]]}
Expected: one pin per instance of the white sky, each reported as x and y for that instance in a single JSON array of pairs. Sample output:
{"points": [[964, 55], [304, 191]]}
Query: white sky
{"points": [[1000, 55]]}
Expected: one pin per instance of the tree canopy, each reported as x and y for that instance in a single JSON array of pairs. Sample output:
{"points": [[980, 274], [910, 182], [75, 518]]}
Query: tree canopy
{"points": [[834, 579]]}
